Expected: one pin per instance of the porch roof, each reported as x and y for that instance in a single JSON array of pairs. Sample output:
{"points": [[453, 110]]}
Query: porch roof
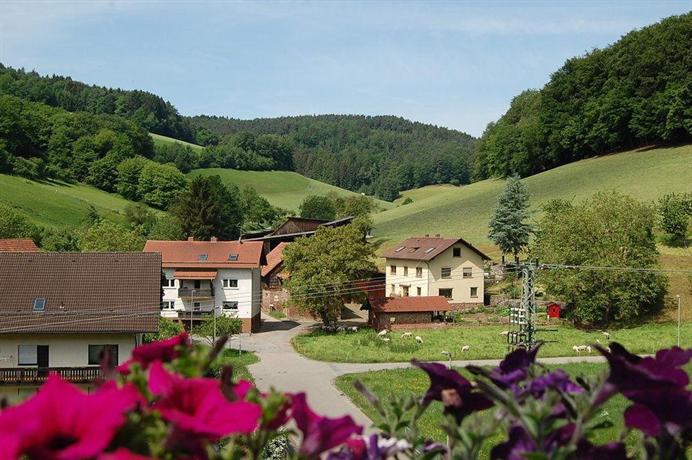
{"points": [[195, 275]]}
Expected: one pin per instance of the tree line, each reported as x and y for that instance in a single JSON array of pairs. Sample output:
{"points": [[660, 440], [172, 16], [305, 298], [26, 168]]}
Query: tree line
{"points": [[376, 155], [633, 93]]}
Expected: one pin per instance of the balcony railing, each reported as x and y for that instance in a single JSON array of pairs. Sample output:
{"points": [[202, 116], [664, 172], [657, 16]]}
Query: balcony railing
{"points": [[198, 293], [14, 375]]}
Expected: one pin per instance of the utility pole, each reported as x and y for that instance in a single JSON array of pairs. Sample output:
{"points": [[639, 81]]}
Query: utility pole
{"points": [[522, 319], [192, 310], [214, 319]]}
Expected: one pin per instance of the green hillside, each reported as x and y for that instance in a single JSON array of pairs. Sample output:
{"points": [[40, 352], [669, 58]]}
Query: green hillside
{"points": [[645, 174], [161, 140], [58, 204], [285, 189]]}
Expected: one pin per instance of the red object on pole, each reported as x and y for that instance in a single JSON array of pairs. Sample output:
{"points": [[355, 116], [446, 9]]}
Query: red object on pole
{"points": [[553, 310]]}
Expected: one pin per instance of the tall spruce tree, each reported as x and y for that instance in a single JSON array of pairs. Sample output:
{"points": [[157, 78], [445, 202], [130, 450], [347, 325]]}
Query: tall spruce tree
{"points": [[508, 226], [209, 208]]}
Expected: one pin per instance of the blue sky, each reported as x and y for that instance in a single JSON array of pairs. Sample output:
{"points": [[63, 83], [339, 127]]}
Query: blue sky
{"points": [[454, 64]]}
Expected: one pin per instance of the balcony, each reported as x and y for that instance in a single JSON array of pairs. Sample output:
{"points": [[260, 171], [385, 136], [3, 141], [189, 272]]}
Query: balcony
{"points": [[38, 375], [200, 294]]}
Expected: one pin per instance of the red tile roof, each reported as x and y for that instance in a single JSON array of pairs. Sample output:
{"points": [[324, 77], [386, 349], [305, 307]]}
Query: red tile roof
{"points": [[414, 304], [18, 245], [83, 292], [195, 275], [274, 258], [426, 248], [207, 254]]}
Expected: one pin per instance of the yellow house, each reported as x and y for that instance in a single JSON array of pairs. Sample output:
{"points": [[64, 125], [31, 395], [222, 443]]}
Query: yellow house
{"points": [[435, 266]]}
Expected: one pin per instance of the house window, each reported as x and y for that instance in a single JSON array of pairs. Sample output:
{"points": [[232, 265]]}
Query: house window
{"points": [[230, 305], [456, 252], [168, 282], [168, 305], [446, 273], [197, 306], [39, 304], [27, 355], [468, 272], [229, 283], [474, 292], [419, 291], [97, 352], [405, 271], [445, 293], [198, 284], [404, 291], [419, 272], [392, 269], [393, 289]]}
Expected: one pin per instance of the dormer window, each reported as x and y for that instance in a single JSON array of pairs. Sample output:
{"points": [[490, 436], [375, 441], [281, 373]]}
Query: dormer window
{"points": [[429, 250], [203, 257], [39, 304], [400, 248], [233, 257]]}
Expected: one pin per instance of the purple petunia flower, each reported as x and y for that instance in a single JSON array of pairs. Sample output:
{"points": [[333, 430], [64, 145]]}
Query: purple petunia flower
{"points": [[557, 379], [653, 410], [518, 444], [610, 451], [512, 370], [456, 393]]}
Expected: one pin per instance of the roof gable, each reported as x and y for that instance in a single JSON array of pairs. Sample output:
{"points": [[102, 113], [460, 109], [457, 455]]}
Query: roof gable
{"points": [[18, 245], [207, 254], [274, 258], [83, 292], [427, 248]]}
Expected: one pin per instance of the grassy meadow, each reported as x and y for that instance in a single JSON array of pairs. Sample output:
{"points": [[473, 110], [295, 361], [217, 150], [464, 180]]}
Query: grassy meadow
{"points": [[285, 189], [161, 140], [449, 210], [59, 204], [412, 381], [485, 342]]}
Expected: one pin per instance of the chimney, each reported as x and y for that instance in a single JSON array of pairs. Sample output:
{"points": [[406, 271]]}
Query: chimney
{"points": [[214, 239], [191, 238]]}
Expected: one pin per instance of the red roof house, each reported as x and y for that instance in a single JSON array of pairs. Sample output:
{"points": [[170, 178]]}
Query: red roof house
{"points": [[18, 245]]}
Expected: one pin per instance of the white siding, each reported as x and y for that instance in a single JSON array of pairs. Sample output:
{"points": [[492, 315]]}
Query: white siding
{"points": [[65, 350]]}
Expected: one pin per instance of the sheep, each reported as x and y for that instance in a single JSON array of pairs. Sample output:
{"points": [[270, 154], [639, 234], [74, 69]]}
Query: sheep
{"points": [[386, 339], [579, 348], [465, 348], [607, 336], [353, 328], [419, 339], [504, 333], [588, 349], [406, 335], [340, 329], [382, 333]]}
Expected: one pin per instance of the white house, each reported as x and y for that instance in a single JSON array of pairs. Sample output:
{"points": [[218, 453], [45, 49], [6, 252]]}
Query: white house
{"points": [[61, 311], [200, 277]]}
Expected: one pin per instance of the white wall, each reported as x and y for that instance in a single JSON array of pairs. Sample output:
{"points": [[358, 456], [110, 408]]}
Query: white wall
{"points": [[247, 294], [64, 350]]}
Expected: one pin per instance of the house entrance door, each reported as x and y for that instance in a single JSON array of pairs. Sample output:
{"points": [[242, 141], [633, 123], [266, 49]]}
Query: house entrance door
{"points": [[42, 356]]}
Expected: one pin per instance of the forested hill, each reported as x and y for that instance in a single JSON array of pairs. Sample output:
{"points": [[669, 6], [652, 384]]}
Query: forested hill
{"points": [[378, 155], [148, 110], [635, 92]]}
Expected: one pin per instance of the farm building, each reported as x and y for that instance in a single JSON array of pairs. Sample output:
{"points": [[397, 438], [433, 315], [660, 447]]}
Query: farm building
{"points": [[395, 311]]}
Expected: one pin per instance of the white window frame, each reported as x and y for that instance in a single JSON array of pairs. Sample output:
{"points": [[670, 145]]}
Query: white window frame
{"points": [[392, 269], [229, 305], [471, 292], [170, 282], [454, 250], [467, 272], [27, 350], [168, 305], [227, 283], [442, 273], [419, 272]]}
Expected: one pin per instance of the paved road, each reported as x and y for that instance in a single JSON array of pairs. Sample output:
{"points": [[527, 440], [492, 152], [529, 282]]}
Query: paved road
{"points": [[284, 369]]}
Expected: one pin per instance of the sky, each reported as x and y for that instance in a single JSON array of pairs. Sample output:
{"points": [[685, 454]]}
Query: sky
{"points": [[453, 64]]}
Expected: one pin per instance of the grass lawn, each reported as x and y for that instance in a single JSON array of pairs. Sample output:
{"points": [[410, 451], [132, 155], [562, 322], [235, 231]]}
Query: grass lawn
{"points": [[285, 189], [276, 314], [414, 381], [465, 211], [239, 361], [485, 342], [59, 204]]}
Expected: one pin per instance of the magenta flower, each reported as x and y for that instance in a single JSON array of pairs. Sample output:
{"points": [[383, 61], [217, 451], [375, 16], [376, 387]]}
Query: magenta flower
{"points": [[197, 405], [320, 433], [61, 422], [164, 351], [455, 392]]}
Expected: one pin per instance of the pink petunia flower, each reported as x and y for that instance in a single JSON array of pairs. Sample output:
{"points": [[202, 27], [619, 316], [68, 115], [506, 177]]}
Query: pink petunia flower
{"points": [[197, 405], [163, 350], [320, 433], [61, 422]]}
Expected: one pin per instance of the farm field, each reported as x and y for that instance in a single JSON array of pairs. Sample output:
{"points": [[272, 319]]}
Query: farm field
{"points": [[59, 204], [159, 139], [285, 189], [449, 210], [412, 381], [485, 342]]}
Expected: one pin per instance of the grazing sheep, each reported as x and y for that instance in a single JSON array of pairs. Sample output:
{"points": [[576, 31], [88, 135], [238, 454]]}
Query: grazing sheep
{"points": [[405, 335], [607, 336], [579, 348], [504, 333], [382, 333], [588, 349], [465, 348], [353, 328], [386, 339], [419, 339], [340, 329]]}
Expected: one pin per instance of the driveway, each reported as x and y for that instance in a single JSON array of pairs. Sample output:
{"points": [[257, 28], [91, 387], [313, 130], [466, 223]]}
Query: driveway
{"points": [[284, 369]]}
